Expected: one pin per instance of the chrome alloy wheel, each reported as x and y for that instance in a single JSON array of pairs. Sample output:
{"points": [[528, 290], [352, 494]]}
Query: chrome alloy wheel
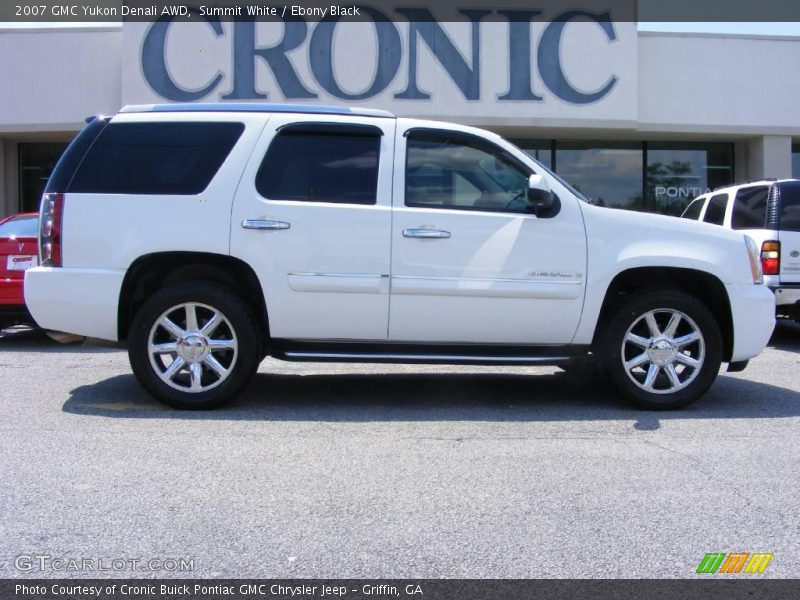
{"points": [[663, 351], [192, 347]]}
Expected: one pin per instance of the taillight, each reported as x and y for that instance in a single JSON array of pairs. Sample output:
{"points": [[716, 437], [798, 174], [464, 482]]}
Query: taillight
{"points": [[50, 220], [755, 260], [771, 257]]}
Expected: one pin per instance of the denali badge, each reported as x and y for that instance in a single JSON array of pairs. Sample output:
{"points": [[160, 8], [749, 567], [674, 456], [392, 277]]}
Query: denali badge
{"points": [[555, 275]]}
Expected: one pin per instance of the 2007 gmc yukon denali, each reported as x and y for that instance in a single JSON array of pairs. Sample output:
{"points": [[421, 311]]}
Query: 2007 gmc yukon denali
{"points": [[209, 236]]}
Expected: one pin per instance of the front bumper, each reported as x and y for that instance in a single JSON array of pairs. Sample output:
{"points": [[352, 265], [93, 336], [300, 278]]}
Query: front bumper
{"points": [[12, 303], [79, 301], [753, 314], [11, 292]]}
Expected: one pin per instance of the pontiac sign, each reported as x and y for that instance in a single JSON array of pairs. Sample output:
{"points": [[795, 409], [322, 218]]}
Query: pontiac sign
{"points": [[480, 68]]}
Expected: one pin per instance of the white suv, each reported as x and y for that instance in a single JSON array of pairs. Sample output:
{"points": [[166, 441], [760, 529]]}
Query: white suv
{"points": [[769, 212], [208, 236]]}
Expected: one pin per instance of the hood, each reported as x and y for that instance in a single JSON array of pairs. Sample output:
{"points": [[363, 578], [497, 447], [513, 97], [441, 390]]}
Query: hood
{"points": [[642, 221], [628, 239]]}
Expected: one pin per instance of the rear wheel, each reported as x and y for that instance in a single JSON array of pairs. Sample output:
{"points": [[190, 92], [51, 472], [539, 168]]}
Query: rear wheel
{"points": [[662, 349], [193, 345]]}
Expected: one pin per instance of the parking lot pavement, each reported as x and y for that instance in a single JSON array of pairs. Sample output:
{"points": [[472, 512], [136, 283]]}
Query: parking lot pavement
{"points": [[394, 471]]}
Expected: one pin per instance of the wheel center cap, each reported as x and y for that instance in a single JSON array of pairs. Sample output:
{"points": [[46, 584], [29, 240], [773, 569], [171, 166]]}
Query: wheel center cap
{"points": [[192, 348], [662, 352]]}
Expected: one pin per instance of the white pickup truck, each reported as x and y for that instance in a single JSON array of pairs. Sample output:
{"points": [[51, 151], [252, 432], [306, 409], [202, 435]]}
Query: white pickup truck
{"points": [[209, 236]]}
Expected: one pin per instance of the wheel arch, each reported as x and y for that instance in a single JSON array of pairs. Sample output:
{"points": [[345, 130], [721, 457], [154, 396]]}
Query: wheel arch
{"points": [[151, 271], [704, 286]]}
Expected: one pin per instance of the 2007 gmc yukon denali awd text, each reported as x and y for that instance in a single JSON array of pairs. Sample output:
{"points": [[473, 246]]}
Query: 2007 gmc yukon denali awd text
{"points": [[209, 236]]}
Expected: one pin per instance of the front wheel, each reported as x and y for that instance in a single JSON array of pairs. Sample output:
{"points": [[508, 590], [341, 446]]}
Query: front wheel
{"points": [[662, 349], [193, 345]]}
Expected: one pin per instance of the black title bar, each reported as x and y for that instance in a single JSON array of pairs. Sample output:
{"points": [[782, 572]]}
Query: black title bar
{"points": [[740, 588], [116, 11]]}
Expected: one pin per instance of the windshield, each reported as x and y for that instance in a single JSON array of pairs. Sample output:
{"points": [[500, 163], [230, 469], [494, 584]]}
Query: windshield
{"points": [[558, 178], [19, 227]]}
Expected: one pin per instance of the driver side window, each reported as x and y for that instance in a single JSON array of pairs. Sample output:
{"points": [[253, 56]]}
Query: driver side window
{"points": [[445, 170]]}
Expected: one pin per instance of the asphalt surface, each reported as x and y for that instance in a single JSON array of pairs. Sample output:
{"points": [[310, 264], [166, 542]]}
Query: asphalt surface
{"points": [[393, 471]]}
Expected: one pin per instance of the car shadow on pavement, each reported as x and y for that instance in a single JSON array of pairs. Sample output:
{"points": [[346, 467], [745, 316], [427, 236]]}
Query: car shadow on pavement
{"points": [[786, 336], [33, 339], [435, 397]]}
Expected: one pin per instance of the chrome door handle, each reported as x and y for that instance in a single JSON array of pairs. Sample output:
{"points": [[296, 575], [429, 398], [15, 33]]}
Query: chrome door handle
{"points": [[426, 234], [262, 224]]}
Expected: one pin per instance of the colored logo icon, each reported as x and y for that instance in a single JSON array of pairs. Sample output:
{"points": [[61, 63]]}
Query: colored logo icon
{"points": [[734, 562]]}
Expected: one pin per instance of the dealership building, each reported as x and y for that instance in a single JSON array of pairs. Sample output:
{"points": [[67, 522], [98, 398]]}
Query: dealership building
{"points": [[637, 120]]}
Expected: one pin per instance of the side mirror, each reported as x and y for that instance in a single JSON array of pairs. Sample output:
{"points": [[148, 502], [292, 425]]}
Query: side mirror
{"points": [[541, 200]]}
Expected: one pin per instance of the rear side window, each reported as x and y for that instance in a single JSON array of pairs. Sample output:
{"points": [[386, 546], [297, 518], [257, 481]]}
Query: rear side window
{"points": [[323, 163], [155, 158], [20, 227], [750, 208], [715, 213], [790, 206], [694, 209]]}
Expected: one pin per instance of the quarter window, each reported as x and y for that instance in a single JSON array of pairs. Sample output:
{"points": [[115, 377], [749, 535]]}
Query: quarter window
{"points": [[750, 208], [155, 158], [322, 164], [20, 227], [715, 213], [454, 171]]}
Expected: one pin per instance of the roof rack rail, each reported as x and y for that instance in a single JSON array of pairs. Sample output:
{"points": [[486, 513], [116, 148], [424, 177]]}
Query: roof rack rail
{"points": [[260, 107], [745, 182]]}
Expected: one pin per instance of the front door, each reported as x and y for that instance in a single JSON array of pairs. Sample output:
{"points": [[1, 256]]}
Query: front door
{"points": [[312, 216], [469, 263]]}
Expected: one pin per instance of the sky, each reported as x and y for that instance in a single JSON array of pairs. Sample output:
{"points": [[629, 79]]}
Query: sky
{"points": [[734, 28]]}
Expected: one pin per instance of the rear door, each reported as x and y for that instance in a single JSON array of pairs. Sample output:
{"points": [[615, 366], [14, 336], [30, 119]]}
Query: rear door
{"points": [[312, 216], [789, 231]]}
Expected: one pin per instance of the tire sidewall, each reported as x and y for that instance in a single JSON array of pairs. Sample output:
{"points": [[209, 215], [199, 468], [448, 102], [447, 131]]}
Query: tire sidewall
{"points": [[632, 310], [220, 298]]}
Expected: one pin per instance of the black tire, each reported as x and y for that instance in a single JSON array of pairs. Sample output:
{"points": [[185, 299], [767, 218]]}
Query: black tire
{"points": [[696, 380], [239, 325]]}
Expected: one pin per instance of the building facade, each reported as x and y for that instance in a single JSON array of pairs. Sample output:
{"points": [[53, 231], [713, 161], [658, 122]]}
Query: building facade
{"points": [[637, 120]]}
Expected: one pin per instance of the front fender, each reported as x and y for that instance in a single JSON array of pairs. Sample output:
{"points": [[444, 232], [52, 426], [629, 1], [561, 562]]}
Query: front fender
{"points": [[619, 241]]}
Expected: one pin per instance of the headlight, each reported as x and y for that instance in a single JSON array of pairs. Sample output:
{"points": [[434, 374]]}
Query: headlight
{"points": [[755, 260]]}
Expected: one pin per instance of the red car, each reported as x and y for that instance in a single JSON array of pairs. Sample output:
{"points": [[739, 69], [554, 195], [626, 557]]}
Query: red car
{"points": [[18, 252]]}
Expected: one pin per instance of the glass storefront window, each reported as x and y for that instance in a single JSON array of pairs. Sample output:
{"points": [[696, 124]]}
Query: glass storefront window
{"points": [[610, 173], [541, 150], [677, 172], [36, 162], [796, 161]]}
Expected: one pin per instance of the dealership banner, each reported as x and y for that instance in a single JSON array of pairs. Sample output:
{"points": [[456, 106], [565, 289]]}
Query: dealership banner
{"points": [[555, 63], [389, 589]]}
